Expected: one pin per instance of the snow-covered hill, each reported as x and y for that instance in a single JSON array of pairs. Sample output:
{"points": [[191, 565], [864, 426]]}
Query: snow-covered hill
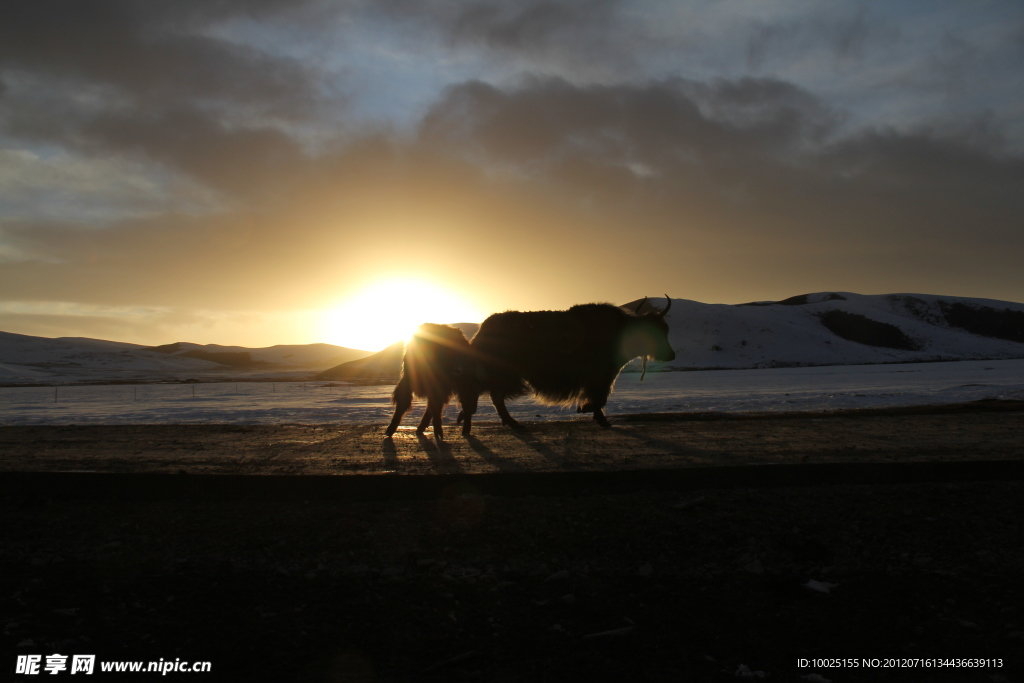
{"points": [[29, 360], [840, 328]]}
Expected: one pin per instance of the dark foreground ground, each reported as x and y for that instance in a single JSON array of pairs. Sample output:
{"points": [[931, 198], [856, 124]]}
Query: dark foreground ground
{"points": [[662, 579]]}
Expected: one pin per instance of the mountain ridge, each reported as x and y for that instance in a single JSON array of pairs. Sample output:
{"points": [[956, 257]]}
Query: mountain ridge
{"points": [[820, 328]]}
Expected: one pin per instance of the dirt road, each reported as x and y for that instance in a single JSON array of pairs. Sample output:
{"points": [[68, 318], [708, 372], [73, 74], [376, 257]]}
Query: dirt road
{"points": [[983, 430], [718, 583]]}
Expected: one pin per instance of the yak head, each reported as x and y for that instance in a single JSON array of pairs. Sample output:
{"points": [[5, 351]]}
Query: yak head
{"points": [[646, 335], [436, 355]]}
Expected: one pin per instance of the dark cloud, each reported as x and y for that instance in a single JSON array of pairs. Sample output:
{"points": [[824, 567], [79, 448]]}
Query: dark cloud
{"points": [[558, 34], [247, 161], [852, 36], [757, 165], [514, 26], [734, 180], [150, 80], [954, 62], [529, 25], [668, 125], [150, 52], [844, 38]]}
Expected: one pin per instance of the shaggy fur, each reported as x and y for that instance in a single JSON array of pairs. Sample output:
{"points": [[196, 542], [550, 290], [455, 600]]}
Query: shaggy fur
{"points": [[563, 357], [436, 367]]}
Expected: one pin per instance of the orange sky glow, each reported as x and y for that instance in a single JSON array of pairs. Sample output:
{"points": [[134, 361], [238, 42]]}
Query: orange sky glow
{"points": [[321, 173]]}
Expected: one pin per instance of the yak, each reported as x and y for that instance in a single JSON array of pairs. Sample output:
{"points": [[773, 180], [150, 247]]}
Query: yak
{"points": [[436, 367], [563, 357]]}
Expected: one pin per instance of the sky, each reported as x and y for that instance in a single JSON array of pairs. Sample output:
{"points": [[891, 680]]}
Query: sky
{"points": [[290, 171]]}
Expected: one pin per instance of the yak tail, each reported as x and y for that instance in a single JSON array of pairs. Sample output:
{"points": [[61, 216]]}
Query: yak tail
{"points": [[402, 395]]}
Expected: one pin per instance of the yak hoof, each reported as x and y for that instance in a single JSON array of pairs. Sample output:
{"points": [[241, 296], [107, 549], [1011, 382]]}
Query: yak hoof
{"points": [[600, 419]]}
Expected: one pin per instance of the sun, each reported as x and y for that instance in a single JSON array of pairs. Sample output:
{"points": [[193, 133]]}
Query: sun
{"points": [[387, 311]]}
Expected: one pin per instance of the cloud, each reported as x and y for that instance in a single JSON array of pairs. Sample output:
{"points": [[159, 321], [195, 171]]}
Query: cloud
{"points": [[555, 29], [588, 39], [755, 167], [710, 188], [90, 191], [672, 126], [155, 52], [205, 156], [160, 83], [845, 37], [517, 26]]}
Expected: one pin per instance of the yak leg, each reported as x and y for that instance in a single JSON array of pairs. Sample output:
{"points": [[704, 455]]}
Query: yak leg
{"points": [[597, 398], [437, 408], [402, 399], [506, 419], [425, 421], [469, 403], [466, 413], [395, 421]]}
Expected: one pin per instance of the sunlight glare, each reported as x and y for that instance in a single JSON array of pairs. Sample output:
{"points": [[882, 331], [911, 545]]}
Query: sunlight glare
{"points": [[390, 310]]}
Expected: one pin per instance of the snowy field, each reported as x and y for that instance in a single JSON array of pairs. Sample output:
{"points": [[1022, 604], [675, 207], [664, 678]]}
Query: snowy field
{"points": [[783, 389]]}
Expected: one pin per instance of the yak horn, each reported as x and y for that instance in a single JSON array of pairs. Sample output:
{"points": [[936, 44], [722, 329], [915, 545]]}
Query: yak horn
{"points": [[668, 305], [640, 306]]}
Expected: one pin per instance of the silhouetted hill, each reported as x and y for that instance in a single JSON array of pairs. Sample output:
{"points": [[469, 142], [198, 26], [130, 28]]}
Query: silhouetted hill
{"points": [[386, 364], [25, 359], [306, 356]]}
